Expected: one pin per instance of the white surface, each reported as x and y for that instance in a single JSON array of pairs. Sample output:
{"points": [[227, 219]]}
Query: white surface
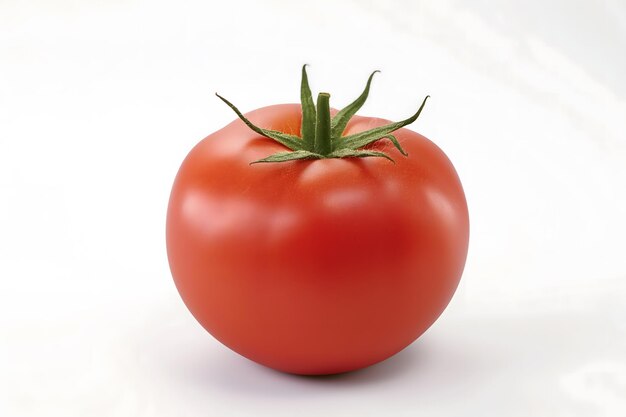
{"points": [[100, 102]]}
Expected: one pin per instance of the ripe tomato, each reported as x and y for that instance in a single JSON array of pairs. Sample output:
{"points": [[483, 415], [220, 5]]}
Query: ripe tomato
{"points": [[315, 266]]}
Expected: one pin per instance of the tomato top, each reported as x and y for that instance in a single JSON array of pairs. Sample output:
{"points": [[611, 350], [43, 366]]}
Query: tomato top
{"points": [[321, 136]]}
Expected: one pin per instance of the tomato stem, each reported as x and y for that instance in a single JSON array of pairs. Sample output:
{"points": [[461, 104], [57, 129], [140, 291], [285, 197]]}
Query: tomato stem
{"points": [[322, 125]]}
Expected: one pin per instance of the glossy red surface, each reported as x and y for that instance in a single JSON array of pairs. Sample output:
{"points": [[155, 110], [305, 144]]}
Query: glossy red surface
{"points": [[320, 266]]}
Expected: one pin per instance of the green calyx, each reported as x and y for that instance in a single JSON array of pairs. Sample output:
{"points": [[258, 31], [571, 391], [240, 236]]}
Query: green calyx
{"points": [[321, 135]]}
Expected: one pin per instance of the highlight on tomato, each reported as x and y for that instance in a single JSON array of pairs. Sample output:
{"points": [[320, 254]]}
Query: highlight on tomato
{"points": [[314, 241]]}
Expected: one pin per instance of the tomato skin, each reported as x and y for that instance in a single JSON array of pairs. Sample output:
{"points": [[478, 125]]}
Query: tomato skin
{"points": [[315, 266]]}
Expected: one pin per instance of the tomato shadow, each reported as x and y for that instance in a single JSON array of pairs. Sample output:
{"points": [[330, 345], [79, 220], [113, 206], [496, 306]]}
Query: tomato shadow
{"points": [[214, 367], [403, 362], [260, 380]]}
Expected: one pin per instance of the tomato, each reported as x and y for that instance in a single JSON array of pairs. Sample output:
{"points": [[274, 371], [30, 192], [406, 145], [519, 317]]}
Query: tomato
{"points": [[316, 265]]}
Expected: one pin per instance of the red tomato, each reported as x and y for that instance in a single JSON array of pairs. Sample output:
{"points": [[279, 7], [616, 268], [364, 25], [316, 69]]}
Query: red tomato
{"points": [[315, 266]]}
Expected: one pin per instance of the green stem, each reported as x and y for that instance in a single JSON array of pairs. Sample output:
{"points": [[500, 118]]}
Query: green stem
{"points": [[322, 125]]}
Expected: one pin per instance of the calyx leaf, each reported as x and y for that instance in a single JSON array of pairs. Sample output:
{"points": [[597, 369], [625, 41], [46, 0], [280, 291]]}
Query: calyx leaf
{"points": [[321, 135]]}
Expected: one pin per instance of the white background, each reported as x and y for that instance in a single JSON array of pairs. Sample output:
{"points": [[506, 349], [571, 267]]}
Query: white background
{"points": [[100, 101]]}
